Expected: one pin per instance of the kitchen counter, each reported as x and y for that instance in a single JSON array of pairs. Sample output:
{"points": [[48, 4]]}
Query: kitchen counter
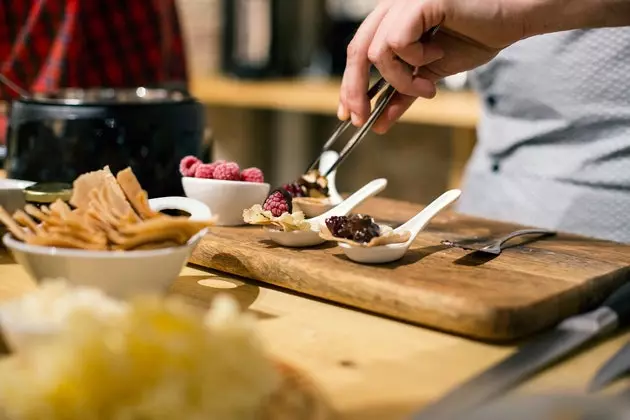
{"points": [[367, 367]]}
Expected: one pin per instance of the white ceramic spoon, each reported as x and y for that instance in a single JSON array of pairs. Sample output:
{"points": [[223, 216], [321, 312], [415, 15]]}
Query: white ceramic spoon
{"points": [[305, 238], [327, 160], [392, 252]]}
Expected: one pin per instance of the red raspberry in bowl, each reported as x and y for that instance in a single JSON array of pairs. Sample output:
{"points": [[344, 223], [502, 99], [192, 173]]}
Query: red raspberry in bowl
{"points": [[188, 166], [204, 170], [228, 171], [252, 175], [214, 165]]}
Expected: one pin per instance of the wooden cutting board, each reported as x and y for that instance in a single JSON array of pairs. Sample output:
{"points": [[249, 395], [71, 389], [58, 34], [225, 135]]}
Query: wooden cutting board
{"points": [[525, 289]]}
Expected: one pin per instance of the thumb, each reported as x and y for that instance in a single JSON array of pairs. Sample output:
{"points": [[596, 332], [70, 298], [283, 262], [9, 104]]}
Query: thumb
{"points": [[413, 21]]}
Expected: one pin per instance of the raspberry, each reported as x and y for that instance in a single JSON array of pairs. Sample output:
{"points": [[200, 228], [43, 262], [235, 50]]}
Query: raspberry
{"points": [[188, 165], [204, 170], [295, 190], [252, 175], [278, 202], [214, 165], [227, 171]]}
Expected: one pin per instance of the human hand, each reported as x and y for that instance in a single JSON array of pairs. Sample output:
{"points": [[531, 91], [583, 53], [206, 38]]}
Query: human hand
{"points": [[472, 32]]}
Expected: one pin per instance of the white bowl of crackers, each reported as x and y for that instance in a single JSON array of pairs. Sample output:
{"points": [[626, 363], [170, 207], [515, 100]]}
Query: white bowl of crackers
{"points": [[108, 236]]}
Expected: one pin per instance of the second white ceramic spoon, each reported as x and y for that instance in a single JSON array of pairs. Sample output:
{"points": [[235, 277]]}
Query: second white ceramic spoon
{"points": [[392, 252], [327, 160], [306, 238], [313, 209]]}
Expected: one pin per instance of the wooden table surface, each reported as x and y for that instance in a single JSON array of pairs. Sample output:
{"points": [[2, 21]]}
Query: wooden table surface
{"points": [[366, 367]]}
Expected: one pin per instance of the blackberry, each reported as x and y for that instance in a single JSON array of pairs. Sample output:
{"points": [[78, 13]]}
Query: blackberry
{"points": [[358, 228], [337, 226], [295, 189]]}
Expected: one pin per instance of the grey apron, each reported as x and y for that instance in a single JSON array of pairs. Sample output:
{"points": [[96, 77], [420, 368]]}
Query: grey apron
{"points": [[554, 139]]}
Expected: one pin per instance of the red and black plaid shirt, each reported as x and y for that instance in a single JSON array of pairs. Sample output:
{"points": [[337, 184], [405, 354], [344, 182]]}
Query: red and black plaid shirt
{"points": [[47, 44]]}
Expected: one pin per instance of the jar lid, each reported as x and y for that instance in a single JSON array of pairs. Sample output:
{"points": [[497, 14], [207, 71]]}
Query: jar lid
{"points": [[48, 192]]}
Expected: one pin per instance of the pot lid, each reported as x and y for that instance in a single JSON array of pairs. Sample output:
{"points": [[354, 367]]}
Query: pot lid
{"points": [[105, 96]]}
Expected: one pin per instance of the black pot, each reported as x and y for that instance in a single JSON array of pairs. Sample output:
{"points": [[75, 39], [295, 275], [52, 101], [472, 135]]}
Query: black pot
{"points": [[56, 138]]}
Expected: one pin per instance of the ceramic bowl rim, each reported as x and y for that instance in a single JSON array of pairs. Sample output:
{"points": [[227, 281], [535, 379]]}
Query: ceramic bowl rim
{"points": [[224, 182], [52, 251]]}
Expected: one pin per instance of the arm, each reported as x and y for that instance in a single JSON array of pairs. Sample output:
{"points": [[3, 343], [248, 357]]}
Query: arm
{"points": [[546, 16], [472, 33]]}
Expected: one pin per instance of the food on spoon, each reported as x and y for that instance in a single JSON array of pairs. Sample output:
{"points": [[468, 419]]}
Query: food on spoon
{"points": [[311, 188], [315, 184], [312, 184], [360, 230], [192, 167], [287, 222], [310, 193], [160, 360], [110, 213], [294, 189], [278, 203], [277, 211]]}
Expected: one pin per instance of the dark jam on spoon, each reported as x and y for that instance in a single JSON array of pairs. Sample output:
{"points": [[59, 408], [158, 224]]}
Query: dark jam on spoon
{"points": [[359, 228]]}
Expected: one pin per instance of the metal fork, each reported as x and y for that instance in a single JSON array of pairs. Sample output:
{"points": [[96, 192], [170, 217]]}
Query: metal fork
{"points": [[495, 246], [381, 104]]}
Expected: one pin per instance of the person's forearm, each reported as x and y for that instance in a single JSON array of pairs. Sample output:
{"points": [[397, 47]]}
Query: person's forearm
{"points": [[545, 16]]}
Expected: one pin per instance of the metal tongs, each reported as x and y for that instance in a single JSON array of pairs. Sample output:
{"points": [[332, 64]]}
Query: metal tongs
{"points": [[381, 104]]}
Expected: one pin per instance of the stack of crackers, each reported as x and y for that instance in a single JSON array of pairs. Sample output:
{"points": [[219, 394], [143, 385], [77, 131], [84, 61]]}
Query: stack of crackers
{"points": [[106, 212]]}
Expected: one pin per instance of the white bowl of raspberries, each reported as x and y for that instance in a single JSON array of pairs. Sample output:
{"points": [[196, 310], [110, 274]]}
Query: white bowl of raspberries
{"points": [[223, 187]]}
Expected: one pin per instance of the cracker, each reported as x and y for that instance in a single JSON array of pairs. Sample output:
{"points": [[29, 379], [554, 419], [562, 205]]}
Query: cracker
{"points": [[144, 238], [61, 241], [15, 229], [25, 220], [135, 194], [88, 237], [285, 222]]}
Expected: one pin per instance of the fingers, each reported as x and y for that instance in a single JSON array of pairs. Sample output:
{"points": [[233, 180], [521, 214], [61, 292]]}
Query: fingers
{"points": [[389, 39], [354, 102], [410, 20], [397, 107], [418, 55], [397, 73], [397, 40]]}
